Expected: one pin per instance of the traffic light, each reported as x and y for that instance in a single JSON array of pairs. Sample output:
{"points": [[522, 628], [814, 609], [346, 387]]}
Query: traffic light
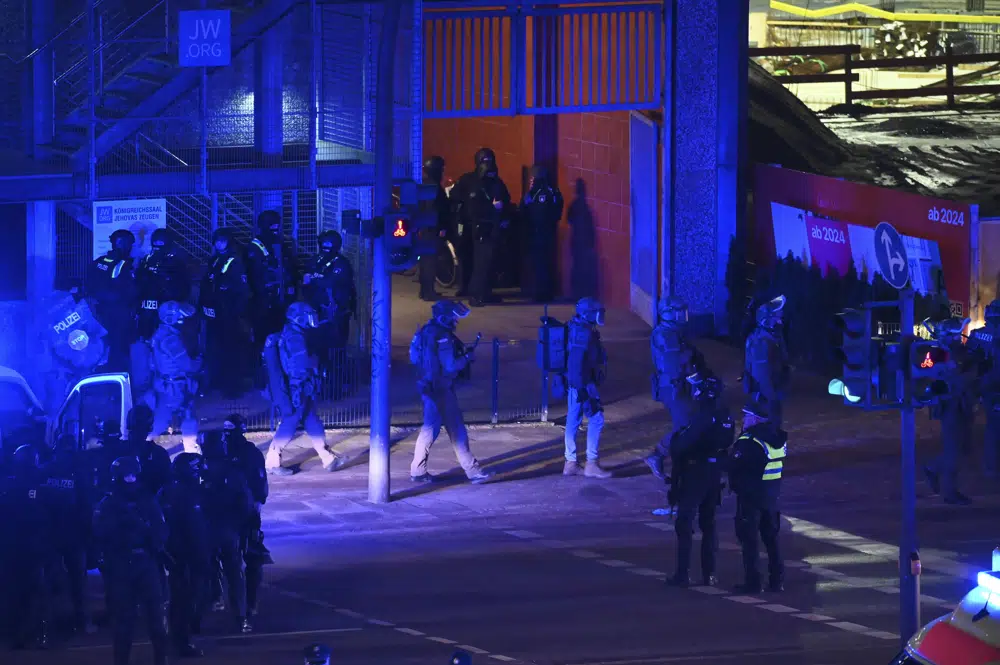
{"points": [[855, 355], [403, 225], [930, 362]]}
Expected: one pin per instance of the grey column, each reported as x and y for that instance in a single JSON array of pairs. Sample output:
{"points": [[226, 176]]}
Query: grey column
{"points": [[709, 114], [267, 105]]}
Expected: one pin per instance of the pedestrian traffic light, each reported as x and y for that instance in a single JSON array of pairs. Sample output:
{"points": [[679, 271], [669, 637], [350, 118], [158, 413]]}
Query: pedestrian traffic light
{"points": [[404, 225], [855, 355], [930, 362]]}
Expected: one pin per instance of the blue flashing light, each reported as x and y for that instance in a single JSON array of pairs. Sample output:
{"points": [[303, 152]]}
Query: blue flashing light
{"points": [[989, 581]]}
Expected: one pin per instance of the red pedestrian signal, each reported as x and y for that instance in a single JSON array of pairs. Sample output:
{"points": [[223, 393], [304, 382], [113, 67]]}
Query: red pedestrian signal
{"points": [[400, 231], [928, 362]]}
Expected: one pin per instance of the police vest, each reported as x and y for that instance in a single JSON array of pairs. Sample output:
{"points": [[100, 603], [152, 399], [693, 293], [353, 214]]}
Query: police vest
{"points": [[775, 458]]}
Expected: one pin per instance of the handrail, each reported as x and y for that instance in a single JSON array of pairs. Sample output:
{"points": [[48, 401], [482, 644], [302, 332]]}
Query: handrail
{"points": [[157, 145], [105, 43], [51, 41]]}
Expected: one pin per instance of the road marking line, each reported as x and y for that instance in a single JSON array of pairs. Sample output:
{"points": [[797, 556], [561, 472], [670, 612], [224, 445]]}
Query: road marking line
{"points": [[780, 609], [526, 535], [809, 616], [882, 635], [585, 554], [850, 627], [826, 572], [474, 650], [505, 659], [660, 526], [410, 631], [746, 600], [441, 640], [709, 590], [554, 544], [220, 638], [796, 564], [377, 622], [615, 563], [646, 572], [347, 613]]}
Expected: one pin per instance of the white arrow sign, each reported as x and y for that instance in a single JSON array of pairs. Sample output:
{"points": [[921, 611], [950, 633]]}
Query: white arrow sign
{"points": [[896, 260]]}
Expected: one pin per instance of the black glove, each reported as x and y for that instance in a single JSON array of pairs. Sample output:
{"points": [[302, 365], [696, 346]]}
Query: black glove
{"points": [[592, 407]]}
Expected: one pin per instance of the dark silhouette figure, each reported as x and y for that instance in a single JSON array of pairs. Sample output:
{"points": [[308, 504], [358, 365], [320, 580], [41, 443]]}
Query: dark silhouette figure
{"points": [[583, 245]]}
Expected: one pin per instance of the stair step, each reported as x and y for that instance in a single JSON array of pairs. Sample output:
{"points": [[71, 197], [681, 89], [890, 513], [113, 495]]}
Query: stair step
{"points": [[61, 149], [146, 77], [106, 113], [162, 59], [130, 96]]}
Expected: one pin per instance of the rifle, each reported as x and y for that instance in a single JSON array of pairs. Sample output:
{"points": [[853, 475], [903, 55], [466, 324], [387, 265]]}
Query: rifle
{"points": [[470, 349]]}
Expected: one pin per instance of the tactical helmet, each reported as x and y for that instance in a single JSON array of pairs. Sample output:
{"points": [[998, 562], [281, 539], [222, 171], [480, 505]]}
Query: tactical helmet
{"points": [[26, 457], [590, 310], [188, 467], [433, 170], [316, 654], [672, 308], [302, 315], [121, 239], [269, 220], [485, 155], [125, 471], [448, 312], [705, 387], [461, 658], [139, 420], [214, 444], [769, 313], [235, 421], [159, 238], [539, 173], [223, 234], [992, 313], [333, 239], [946, 329], [173, 312]]}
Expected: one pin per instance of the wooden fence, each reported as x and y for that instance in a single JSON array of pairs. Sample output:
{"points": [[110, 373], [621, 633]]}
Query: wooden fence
{"points": [[849, 76]]}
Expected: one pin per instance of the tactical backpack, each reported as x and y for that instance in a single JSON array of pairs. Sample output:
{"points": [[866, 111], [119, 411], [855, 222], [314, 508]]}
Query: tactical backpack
{"points": [[552, 353], [277, 385]]}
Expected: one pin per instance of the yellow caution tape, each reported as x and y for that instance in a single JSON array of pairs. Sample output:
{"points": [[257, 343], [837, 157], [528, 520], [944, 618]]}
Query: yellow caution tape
{"points": [[857, 7]]}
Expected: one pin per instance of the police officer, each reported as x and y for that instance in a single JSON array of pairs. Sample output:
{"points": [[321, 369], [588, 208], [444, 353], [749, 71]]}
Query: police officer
{"points": [[985, 342], [112, 291], [175, 368], [463, 221], [296, 390], [766, 369], [249, 460], [225, 299], [316, 654], [328, 286], [755, 468], [189, 547], [66, 477], [26, 516], [441, 358], [433, 174], [272, 268], [130, 530], [674, 359], [697, 451], [956, 411], [154, 461], [161, 276], [489, 210], [541, 209], [586, 365], [229, 507]]}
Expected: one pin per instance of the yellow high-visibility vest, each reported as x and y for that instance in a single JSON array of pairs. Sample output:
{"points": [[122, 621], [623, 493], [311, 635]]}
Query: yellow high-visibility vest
{"points": [[775, 458]]}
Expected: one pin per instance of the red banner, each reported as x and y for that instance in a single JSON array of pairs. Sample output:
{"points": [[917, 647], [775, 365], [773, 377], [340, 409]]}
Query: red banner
{"points": [[946, 224]]}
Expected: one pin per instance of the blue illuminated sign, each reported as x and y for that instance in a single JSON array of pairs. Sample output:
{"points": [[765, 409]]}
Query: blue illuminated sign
{"points": [[205, 38], [891, 255]]}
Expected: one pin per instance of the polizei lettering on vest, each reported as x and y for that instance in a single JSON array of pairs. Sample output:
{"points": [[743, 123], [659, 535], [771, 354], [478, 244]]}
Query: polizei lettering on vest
{"points": [[64, 325]]}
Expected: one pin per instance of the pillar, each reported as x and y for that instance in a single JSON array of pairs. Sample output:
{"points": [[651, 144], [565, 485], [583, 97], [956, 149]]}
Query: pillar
{"points": [[267, 106], [708, 101]]}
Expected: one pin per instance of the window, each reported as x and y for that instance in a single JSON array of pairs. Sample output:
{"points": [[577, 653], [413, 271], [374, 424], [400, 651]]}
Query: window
{"points": [[99, 403]]}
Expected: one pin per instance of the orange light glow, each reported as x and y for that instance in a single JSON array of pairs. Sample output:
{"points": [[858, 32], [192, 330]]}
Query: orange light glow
{"points": [[928, 361], [400, 231]]}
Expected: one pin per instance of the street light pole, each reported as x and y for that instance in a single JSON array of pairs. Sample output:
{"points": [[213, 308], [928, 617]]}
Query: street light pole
{"points": [[909, 600], [381, 409]]}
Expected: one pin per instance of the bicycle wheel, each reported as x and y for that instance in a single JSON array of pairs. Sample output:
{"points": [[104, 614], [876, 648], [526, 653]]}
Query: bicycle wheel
{"points": [[447, 270]]}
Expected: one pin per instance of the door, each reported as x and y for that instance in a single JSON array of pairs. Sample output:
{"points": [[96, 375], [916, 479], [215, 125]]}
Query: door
{"points": [[94, 403], [643, 172]]}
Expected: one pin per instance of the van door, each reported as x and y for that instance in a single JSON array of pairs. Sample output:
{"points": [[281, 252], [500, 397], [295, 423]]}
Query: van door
{"points": [[94, 402]]}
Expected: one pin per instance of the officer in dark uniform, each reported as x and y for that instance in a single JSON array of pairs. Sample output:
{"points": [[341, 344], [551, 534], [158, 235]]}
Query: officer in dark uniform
{"points": [[189, 547], [489, 209], [175, 367], [328, 285], [433, 174], [674, 359], [130, 530], [698, 452], [113, 294], [755, 468], [250, 461], [67, 478], [985, 343], [26, 514], [272, 266], [229, 507], [586, 369], [225, 300], [766, 367], [541, 209], [464, 223], [154, 461], [160, 276]]}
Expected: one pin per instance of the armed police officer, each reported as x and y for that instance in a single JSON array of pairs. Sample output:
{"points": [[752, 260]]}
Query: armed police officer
{"points": [[130, 530], [541, 209], [293, 382], [755, 468], [489, 209], [225, 300], [586, 369], [189, 545], [463, 221], [154, 461], [272, 266], [441, 359], [433, 174], [161, 276], [175, 365], [328, 286], [766, 369], [955, 410], [248, 459], [674, 359], [698, 451], [112, 290], [985, 342]]}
